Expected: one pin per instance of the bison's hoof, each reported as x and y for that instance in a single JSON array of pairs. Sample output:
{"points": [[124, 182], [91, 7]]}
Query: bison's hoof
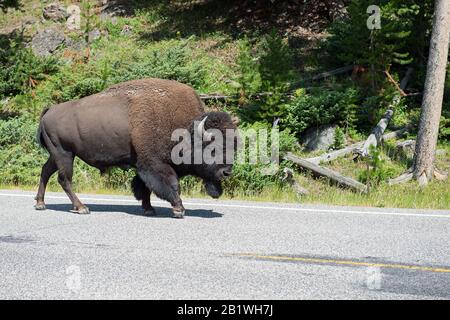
{"points": [[83, 210], [39, 206], [150, 212], [178, 214]]}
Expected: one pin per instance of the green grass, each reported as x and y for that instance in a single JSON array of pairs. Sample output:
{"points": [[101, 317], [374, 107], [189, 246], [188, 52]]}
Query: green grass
{"points": [[435, 196]]}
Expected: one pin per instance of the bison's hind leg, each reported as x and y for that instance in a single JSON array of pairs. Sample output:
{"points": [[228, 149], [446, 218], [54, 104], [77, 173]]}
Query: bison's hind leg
{"points": [[142, 193], [48, 170]]}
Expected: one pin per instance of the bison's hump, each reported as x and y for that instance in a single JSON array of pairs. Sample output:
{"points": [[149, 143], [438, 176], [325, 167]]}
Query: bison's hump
{"points": [[150, 86]]}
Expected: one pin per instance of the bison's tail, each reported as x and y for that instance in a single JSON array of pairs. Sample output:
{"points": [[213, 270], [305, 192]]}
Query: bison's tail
{"points": [[138, 187], [39, 137]]}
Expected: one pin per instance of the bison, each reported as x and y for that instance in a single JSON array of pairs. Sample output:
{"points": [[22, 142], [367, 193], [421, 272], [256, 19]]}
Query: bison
{"points": [[129, 125]]}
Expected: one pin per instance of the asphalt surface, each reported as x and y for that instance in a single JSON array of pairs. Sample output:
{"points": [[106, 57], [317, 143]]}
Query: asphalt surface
{"points": [[221, 250]]}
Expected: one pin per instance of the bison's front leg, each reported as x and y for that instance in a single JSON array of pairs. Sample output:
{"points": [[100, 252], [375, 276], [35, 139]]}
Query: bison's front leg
{"points": [[163, 181], [142, 192]]}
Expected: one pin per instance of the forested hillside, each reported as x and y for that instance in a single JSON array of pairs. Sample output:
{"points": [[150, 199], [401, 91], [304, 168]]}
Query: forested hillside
{"points": [[263, 61]]}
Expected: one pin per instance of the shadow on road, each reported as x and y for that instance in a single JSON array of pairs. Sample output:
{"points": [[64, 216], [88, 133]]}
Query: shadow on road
{"points": [[161, 212]]}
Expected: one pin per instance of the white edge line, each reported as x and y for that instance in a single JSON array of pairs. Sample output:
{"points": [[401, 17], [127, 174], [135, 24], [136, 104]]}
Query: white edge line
{"points": [[248, 206]]}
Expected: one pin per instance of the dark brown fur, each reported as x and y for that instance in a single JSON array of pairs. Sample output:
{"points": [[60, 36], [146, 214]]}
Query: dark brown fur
{"points": [[129, 125]]}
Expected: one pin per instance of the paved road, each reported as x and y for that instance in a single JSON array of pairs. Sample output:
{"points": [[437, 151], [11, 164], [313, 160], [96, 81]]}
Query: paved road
{"points": [[222, 249]]}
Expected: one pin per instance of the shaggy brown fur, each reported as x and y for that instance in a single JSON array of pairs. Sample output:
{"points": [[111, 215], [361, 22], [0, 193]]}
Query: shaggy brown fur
{"points": [[156, 108], [129, 125]]}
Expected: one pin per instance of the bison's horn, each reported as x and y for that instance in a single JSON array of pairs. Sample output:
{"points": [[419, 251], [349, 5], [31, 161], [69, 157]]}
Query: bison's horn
{"points": [[201, 130]]}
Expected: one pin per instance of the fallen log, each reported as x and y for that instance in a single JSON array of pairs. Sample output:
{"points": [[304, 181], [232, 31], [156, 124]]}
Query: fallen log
{"points": [[374, 138], [325, 172], [351, 148], [332, 72], [322, 75], [212, 96], [405, 145], [219, 96], [410, 146], [396, 134]]}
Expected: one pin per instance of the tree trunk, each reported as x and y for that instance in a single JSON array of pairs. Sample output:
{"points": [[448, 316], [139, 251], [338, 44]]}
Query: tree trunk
{"points": [[433, 94]]}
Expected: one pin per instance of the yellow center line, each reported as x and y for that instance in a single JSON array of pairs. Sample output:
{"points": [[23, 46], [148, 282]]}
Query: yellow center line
{"points": [[345, 262]]}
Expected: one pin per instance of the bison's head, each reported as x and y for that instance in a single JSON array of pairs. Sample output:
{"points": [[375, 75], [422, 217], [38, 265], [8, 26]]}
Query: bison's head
{"points": [[214, 137]]}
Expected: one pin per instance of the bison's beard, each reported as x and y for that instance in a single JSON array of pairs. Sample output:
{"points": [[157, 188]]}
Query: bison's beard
{"points": [[214, 189]]}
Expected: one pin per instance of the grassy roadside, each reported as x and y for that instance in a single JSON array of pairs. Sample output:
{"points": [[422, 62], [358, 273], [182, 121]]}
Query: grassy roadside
{"points": [[409, 195], [435, 196]]}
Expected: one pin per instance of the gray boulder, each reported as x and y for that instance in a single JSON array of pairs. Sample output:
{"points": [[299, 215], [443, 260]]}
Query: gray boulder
{"points": [[55, 12], [44, 43], [94, 35], [319, 138], [76, 44], [115, 8]]}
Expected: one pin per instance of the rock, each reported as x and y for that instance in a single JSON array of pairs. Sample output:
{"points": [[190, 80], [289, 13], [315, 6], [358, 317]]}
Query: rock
{"points": [[76, 45], [94, 35], [115, 8], [55, 12], [74, 20], [46, 42], [28, 21], [320, 138]]}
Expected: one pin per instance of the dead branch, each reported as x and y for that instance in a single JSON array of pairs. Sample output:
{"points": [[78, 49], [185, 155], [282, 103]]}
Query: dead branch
{"points": [[408, 175], [351, 148], [392, 80], [332, 72], [374, 138], [325, 172]]}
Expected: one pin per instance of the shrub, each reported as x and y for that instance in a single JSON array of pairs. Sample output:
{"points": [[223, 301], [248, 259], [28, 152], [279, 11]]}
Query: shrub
{"points": [[83, 88], [172, 61], [264, 68], [251, 179], [20, 157], [319, 108], [20, 69], [377, 169], [339, 139]]}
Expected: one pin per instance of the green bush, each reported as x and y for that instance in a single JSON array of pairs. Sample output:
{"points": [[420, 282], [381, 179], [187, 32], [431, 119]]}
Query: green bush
{"points": [[377, 169], [264, 68], [20, 69], [172, 61], [83, 88], [251, 179], [20, 156], [315, 109], [339, 139]]}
